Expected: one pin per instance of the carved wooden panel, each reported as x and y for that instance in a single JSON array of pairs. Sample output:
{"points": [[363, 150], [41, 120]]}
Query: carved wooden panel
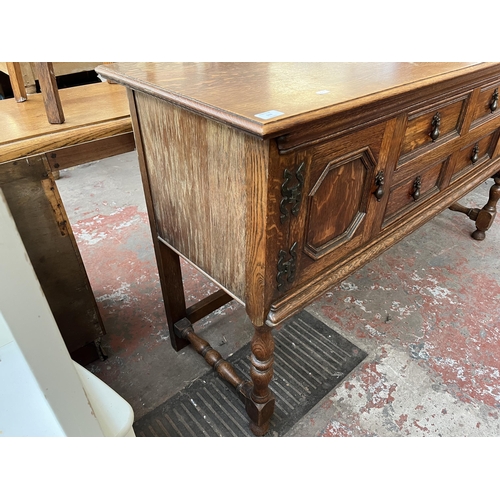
{"points": [[338, 206], [337, 202]]}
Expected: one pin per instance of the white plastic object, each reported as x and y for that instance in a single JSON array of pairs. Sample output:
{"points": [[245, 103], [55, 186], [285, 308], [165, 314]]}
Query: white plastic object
{"points": [[114, 414]]}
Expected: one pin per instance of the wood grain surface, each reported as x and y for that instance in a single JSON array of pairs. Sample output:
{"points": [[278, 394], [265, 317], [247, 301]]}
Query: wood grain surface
{"points": [[50, 92], [16, 81], [92, 112], [198, 186], [235, 92]]}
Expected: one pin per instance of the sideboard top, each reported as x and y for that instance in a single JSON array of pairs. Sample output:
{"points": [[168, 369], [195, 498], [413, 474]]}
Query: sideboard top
{"points": [[268, 98]]}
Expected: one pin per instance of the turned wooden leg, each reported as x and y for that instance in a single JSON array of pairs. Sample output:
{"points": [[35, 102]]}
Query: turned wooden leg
{"points": [[260, 402], [258, 399], [486, 215]]}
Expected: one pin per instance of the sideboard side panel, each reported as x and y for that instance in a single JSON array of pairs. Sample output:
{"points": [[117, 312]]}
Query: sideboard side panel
{"points": [[197, 170]]}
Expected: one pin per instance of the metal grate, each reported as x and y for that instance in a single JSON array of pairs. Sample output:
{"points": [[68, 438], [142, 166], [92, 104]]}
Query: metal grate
{"points": [[310, 360]]}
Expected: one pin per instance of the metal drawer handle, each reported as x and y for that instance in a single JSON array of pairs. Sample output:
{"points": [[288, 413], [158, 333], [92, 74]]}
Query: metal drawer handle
{"points": [[475, 153], [435, 124], [416, 188], [494, 101], [379, 181]]}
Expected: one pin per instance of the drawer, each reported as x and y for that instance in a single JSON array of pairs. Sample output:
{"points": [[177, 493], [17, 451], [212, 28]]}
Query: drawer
{"points": [[474, 154], [428, 128], [408, 194], [486, 105]]}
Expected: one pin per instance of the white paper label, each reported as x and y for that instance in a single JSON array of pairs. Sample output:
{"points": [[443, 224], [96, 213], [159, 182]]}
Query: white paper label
{"points": [[269, 114]]}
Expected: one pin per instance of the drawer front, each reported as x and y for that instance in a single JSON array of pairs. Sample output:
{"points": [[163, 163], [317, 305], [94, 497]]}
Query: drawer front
{"points": [[430, 127], [410, 193], [474, 154], [487, 105]]}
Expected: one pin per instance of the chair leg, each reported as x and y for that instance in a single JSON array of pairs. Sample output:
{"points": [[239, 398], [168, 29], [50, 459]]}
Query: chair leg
{"points": [[17, 81], [50, 93]]}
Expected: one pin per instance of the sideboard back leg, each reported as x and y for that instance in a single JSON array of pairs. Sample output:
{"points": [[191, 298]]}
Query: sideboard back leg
{"points": [[174, 298], [169, 267], [486, 215]]}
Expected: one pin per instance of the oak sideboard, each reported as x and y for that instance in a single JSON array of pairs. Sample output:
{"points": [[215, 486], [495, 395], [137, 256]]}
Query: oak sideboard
{"points": [[278, 180]]}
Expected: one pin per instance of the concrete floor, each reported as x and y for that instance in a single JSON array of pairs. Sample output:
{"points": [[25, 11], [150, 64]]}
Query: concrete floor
{"points": [[425, 312]]}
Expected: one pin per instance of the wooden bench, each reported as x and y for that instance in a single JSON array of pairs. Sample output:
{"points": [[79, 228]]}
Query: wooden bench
{"points": [[97, 125]]}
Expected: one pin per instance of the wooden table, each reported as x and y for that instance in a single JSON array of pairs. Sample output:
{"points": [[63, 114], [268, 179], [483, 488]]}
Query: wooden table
{"points": [[278, 180], [32, 152]]}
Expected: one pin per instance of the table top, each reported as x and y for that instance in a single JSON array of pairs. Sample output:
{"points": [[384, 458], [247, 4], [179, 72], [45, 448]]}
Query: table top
{"points": [[90, 111], [263, 98]]}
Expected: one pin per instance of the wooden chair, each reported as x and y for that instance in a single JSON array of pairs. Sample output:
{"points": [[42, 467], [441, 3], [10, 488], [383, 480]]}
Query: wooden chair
{"points": [[48, 86], [47, 79]]}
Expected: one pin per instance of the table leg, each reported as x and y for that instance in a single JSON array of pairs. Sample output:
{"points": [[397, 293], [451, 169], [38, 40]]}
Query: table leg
{"points": [[41, 219], [260, 402], [485, 216], [258, 399], [169, 268]]}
